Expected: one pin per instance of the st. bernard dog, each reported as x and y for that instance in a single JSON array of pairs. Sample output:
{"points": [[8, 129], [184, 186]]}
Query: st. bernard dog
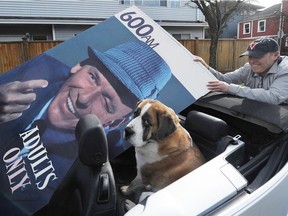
{"points": [[164, 149]]}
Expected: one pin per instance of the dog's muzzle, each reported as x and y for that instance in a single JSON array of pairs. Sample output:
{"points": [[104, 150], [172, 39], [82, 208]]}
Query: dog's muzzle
{"points": [[128, 133]]}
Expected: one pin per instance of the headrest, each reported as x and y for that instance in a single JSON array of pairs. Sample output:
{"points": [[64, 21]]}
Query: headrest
{"points": [[210, 127], [92, 140]]}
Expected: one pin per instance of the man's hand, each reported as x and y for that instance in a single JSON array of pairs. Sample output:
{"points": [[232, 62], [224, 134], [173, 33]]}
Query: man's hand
{"points": [[201, 60], [218, 86], [16, 97]]}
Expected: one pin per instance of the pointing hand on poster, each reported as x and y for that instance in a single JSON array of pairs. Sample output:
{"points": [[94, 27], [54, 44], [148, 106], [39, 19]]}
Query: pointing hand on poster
{"points": [[16, 97]]}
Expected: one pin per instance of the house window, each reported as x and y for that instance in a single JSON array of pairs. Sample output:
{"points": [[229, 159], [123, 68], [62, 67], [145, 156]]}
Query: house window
{"points": [[246, 29], [261, 25], [177, 36], [151, 3], [185, 36], [181, 36], [286, 42], [163, 3], [39, 37], [138, 2], [175, 4], [125, 2], [156, 3]]}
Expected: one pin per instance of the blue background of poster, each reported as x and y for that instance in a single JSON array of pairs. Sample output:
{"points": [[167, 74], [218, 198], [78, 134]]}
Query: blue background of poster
{"points": [[93, 37]]}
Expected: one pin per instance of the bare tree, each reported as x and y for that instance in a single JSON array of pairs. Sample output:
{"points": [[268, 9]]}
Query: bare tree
{"points": [[217, 14]]}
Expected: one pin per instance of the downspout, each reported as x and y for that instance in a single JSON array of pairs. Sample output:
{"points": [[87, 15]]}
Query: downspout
{"points": [[53, 32], [252, 29], [280, 31]]}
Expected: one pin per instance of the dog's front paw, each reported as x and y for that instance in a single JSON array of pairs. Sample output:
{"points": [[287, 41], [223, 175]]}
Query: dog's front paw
{"points": [[148, 188], [124, 190], [129, 204]]}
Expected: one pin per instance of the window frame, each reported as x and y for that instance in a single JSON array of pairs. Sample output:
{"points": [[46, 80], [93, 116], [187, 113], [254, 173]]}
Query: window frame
{"points": [[249, 28], [259, 26]]}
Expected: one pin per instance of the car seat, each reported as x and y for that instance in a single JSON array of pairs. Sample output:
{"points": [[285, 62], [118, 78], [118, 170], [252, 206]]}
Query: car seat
{"points": [[208, 132], [89, 187]]}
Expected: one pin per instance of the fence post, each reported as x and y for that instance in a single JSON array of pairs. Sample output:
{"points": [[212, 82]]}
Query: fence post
{"points": [[196, 46], [234, 55], [25, 49]]}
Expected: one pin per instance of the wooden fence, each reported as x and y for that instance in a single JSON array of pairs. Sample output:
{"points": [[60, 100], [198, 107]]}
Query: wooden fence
{"points": [[13, 54], [228, 52]]}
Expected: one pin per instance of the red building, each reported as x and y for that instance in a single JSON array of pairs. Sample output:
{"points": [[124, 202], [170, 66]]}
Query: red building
{"points": [[271, 22]]}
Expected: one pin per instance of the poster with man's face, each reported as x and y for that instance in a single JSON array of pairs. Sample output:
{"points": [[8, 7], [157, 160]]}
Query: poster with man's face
{"points": [[104, 71]]}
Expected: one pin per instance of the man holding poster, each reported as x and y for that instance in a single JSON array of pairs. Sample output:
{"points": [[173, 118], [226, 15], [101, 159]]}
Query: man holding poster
{"points": [[42, 100], [263, 78]]}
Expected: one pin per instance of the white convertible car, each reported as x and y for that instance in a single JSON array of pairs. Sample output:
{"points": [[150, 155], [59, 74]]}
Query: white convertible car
{"points": [[246, 146]]}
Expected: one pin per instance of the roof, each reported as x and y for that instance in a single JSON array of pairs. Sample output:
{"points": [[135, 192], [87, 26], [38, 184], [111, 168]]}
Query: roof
{"points": [[272, 11], [90, 12]]}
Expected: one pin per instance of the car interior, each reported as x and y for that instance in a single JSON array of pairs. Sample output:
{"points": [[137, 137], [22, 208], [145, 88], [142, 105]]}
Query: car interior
{"points": [[261, 140]]}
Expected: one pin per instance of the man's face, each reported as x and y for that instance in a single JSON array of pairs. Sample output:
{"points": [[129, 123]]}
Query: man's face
{"points": [[87, 91], [263, 63]]}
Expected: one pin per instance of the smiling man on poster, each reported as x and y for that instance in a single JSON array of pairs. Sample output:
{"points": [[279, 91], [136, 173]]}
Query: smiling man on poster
{"points": [[38, 144]]}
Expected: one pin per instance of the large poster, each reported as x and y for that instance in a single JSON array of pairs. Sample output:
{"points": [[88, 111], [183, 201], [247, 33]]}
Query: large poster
{"points": [[104, 71]]}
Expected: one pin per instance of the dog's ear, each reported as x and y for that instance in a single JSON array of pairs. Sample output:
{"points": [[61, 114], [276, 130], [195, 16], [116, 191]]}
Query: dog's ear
{"points": [[137, 104], [166, 125]]}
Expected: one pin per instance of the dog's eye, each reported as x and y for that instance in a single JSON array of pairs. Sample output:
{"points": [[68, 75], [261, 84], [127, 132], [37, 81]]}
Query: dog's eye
{"points": [[146, 123], [146, 120]]}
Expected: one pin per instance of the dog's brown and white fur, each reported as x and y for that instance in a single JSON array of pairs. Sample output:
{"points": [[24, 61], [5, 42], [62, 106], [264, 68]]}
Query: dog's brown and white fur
{"points": [[164, 149]]}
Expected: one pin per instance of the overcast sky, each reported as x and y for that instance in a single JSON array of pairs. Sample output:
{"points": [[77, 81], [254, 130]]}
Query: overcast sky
{"points": [[266, 3]]}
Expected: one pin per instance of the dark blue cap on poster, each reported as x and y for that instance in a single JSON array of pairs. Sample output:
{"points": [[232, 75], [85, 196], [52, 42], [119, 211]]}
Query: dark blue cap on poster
{"points": [[137, 66]]}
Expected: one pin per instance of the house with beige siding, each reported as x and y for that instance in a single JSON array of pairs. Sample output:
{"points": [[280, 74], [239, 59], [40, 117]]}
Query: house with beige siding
{"points": [[63, 19]]}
